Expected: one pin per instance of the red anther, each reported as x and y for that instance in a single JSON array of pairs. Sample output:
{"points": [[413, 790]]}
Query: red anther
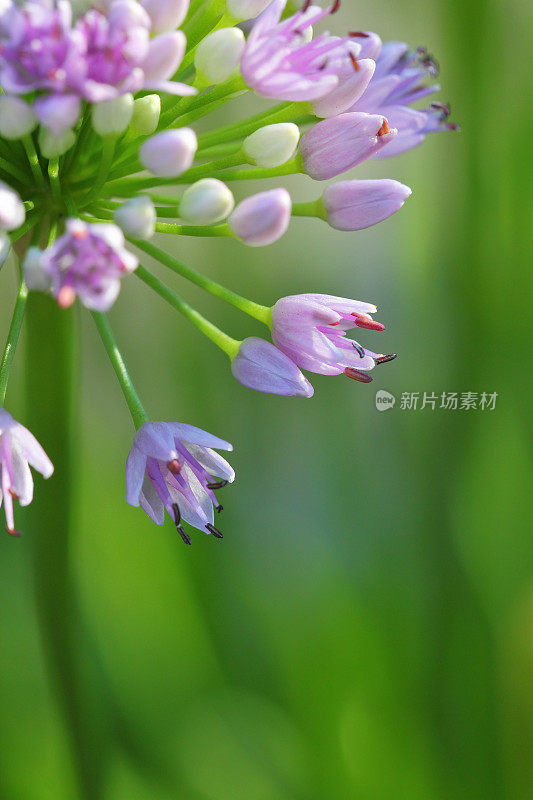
{"points": [[443, 107], [66, 296], [358, 34], [384, 128], [306, 5], [13, 494], [174, 466], [13, 532], [354, 62], [453, 126], [365, 322], [385, 359], [357, 375], [335, 7]]}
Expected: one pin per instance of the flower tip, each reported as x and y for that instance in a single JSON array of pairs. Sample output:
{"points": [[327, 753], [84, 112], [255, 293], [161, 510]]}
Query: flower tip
{"points": [[66, 296]]}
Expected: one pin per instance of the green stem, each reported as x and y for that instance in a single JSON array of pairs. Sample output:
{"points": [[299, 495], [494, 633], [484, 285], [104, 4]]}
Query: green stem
{"points": [[51, 360], [12, 340], [106, 161], [262, 313], [313, 208], [194, 230], [138, 414], [284, 112], [226, 343], [13, 170], [53, 174], [292, 167], [33, 158]]}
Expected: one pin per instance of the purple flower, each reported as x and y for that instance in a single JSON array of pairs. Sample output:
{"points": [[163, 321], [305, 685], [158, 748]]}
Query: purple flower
{"points": [[311, 330], [261, 366], [172, 466], [263, 218], [279, 62], [353, 205], [335, 145], [18, 449], [398, 82], [88, 261]]}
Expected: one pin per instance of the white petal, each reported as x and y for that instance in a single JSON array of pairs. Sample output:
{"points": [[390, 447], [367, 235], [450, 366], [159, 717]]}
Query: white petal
{"points": [[135, 469]]}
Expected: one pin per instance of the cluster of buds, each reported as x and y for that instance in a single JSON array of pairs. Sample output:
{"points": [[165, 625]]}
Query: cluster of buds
{"points": [[99, 154]]}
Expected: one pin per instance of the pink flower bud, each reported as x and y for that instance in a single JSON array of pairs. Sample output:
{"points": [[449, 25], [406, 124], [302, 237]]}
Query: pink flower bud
{"points": [[263, 218], [169, 153], [57, 112], [335, 145], [353, 205]]}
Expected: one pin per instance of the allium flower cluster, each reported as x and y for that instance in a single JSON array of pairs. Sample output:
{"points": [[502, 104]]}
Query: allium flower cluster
{"points": [[100, 154]]}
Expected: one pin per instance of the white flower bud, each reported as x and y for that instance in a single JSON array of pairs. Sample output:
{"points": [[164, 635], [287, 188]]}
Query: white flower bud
{"points": [[169, 153], [5, 248], [112, 117], [272, 145], [246, 9], [137, 218], [35, 276], [146, 113], [16, 117], [52, 145], [166, 15], [206, 202], [12, 211], [219, 54]]}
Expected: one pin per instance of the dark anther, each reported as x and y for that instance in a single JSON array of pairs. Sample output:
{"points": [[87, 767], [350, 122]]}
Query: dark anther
{"points": [[306, 5], [174, 466], [358, 34], [453, 126], [431, 64], [422, 51], [185, 536], [218, 485], [13, 532], [177, 513], [385, 359], [357, 375], [444, 109], [354, 62], [219, 509], [216, 533], [323, 65], [359, 349], [335, 7]]}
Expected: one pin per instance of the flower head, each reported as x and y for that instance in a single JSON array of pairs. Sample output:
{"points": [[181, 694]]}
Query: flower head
{"points": [[88, 261], [173, 466], [311, 330], [18, 450]]}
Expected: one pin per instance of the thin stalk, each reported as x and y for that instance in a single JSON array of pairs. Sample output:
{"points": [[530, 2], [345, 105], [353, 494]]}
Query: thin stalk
{"points": [[29, 224], [231, 87], [313, 208], [284, 112], [106, 161], [138, 414], [12, 340], [292, 167], [226, 343], [53, 174], [194, 230], [262, 313], [33, 158], [13, 170]]}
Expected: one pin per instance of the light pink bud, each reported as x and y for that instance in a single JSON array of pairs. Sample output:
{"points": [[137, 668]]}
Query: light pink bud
{"points": [[353, 205], [335, 145], [12, 213], [263, 218], [169, 153], [261, 366], [57, 112], [166, 15]]}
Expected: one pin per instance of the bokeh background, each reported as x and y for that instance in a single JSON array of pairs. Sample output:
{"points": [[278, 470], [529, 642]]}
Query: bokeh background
{"points": [[365, 628]]}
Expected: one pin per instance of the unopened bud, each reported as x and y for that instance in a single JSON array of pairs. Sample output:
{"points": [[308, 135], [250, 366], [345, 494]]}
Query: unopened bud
{"points": [[17, 118], [206, 202], [12, 211], [146, 113], [272, 145], [246, 9], [219, 54], [169, 153], [260, 365], [35, 276], [112, 117], [263, 218], [58, 112], [137, 218], [53, 146], [166, 15]]}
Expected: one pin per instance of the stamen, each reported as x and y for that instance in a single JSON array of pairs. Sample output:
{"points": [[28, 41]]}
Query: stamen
{"points": [[306, 5], [444, 108], [453, 126], [386, 359], [359, 349], [365, 322], [177, 514], [13, 532], [219, 509], [358, 34], [218, 485], [185, 536], [357, 375], [431, 64], [174, 466], [384, 128], [216, 533], [354, 62], [335, 7]]}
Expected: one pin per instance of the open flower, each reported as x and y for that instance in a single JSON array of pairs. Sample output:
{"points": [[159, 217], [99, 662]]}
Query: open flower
{"points": [[18, 450], [311, 330], [88, 261], [172, 466]]}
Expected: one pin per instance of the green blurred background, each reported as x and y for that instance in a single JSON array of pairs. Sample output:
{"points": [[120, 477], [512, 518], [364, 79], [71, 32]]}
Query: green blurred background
{"points": [[365, 628]]}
